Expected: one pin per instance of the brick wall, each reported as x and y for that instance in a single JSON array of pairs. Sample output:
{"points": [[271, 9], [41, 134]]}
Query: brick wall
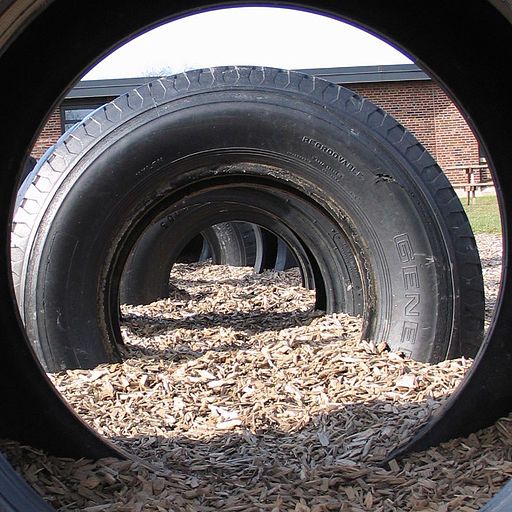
{"points": [[421, 106], [425, 109], [49, 135]]}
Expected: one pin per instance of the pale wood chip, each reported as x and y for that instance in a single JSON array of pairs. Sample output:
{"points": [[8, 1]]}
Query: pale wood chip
{"points": [[239, 396]]}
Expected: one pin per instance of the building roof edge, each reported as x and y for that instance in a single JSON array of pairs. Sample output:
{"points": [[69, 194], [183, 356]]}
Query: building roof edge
{"points": [[341, 75]]}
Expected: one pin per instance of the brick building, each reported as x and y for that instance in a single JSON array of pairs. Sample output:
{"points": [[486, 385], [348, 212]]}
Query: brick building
{"points": [[404, 91]]}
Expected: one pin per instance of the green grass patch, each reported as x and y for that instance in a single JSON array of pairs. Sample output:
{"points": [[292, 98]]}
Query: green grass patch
{"points": [[483, 214]]}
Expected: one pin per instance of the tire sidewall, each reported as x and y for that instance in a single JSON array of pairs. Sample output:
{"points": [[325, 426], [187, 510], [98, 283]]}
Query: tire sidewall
{"points": [[333, 159]]}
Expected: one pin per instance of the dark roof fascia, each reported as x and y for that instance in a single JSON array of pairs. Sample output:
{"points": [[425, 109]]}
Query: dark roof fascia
{"points": [[107, 88], [346, 75], [369, 74]]}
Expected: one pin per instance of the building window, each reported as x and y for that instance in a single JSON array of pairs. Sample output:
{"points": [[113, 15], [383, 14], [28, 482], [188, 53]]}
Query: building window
{"points": [[71, 114]]}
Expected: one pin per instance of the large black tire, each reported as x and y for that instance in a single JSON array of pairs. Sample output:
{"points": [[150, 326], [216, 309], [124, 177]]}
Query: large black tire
{"points": [[466, 35], [227, 243], [225, 205], [362, 173], [238, 244]]}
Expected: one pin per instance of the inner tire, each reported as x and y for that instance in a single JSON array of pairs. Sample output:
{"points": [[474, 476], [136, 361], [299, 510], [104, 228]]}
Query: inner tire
{"points": [[145, 277], [410, 238], [307, 232], [230, 243]]}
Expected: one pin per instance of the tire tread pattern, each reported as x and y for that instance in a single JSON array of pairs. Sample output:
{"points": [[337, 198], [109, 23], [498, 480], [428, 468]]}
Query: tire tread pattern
{"points": [[67, 151]]}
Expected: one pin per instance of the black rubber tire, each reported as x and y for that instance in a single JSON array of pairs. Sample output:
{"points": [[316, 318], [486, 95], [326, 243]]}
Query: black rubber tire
{"points": [[238, 244], [274, 255], [15, 493], [423, 291], [250, 234], [284, 258], [196, 250], [476, 35], [297, 223], [227, 243]]}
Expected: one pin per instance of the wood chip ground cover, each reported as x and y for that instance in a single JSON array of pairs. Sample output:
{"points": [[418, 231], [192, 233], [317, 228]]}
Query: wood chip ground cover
{"points": [[236, 395]]}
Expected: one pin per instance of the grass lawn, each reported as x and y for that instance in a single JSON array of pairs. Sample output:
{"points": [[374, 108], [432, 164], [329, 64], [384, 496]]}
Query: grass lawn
{"points": [[483, 214]]}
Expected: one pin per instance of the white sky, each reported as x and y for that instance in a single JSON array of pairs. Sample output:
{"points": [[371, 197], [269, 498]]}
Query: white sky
{"points": [[250, 35]]}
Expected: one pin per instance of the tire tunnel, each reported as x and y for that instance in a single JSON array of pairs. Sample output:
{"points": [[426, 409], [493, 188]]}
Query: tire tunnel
{"points": [[45, 45]]}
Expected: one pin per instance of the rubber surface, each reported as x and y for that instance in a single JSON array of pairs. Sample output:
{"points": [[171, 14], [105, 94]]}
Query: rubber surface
{"points": [[239, 244], [227, 243], [475, 37], [502, 502], [264, 205], [398, 227], [234, 244], [15, 494]]}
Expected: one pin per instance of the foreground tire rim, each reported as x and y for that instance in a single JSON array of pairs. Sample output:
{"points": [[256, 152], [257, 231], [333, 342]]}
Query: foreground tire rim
{"points": [[478, 33]]}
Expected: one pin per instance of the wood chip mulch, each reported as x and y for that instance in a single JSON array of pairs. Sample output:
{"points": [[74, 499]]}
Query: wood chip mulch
{"points": [[237, 395]]}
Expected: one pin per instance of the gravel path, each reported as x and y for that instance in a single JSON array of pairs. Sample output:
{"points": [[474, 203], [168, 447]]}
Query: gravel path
{"points": [[238, 396]]}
